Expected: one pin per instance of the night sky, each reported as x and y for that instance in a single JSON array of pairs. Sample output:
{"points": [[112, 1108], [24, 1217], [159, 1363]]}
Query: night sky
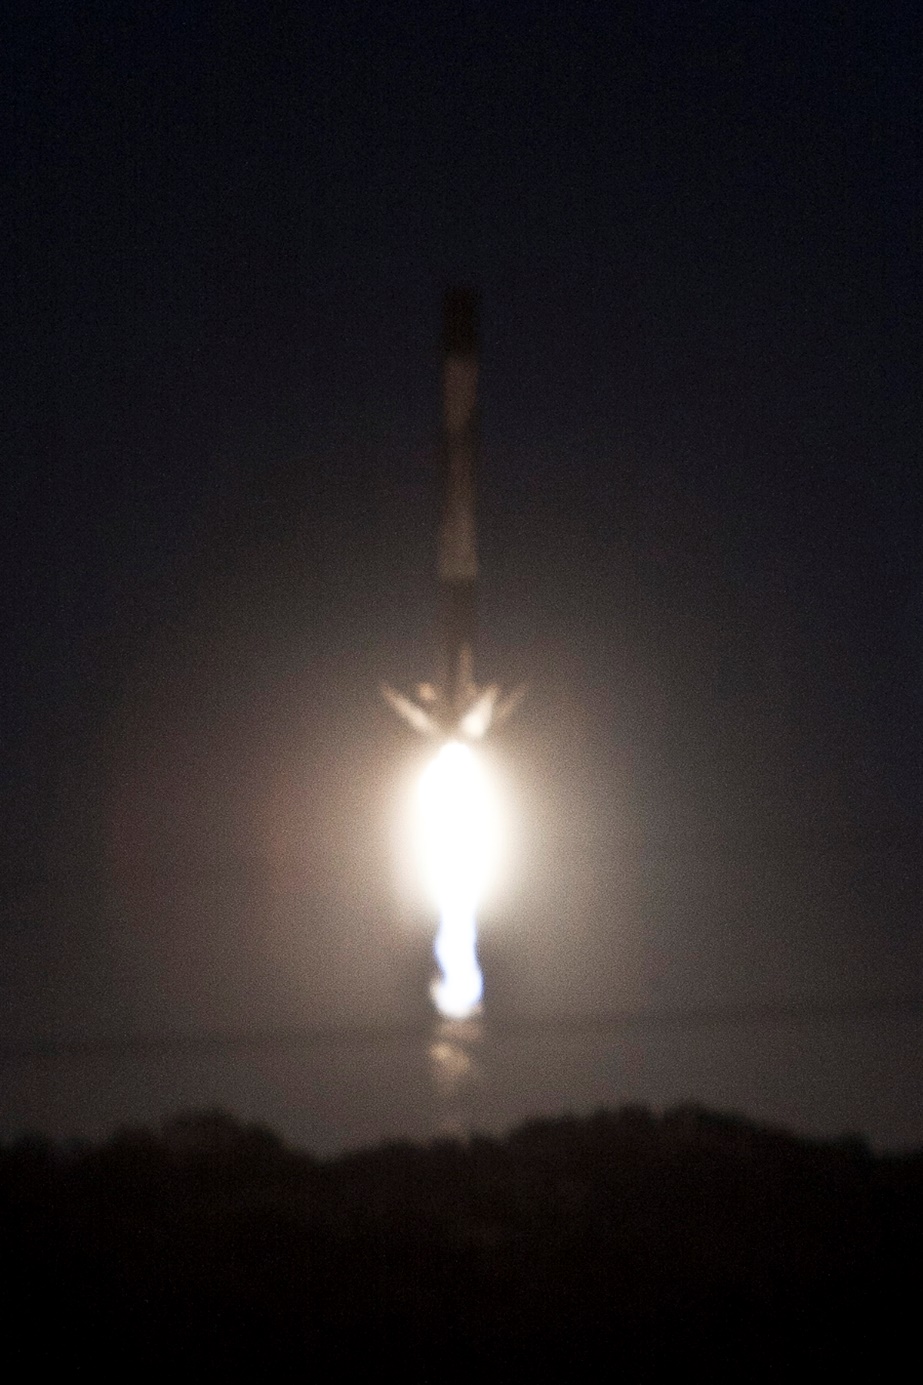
{"points": [[695, 231]]}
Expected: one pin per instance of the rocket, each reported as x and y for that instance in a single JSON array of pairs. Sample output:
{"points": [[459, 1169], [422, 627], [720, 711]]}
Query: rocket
{"points": [[456, 707]]}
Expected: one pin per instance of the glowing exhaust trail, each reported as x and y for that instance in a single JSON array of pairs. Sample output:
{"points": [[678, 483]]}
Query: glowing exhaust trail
{"points": [[456, 837]]}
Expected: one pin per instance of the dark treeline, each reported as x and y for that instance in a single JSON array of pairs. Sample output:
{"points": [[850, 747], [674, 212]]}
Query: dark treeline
{"points": [[691, 1242]]}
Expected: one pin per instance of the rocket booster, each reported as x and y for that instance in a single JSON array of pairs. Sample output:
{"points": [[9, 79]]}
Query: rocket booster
{"points": [[458, 563], [457, 706], [458, 559]]}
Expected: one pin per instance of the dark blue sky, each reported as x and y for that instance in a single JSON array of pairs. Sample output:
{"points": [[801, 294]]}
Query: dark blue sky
{"points": [[695, 231]]}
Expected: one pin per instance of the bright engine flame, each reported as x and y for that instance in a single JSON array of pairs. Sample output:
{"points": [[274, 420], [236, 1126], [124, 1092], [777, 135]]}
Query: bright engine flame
{"points": [[456, 834]]}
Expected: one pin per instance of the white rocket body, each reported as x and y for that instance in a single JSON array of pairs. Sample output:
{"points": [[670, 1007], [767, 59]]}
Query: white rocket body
{"points": [[456, 707]]}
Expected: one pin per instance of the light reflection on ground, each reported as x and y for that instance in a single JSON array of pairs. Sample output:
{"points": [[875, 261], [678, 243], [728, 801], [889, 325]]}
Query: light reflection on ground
{"points": [[456, 1074]]}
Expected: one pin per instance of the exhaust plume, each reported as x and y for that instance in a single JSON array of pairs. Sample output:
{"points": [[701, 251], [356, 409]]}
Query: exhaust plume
{"points": [[456, 837]]}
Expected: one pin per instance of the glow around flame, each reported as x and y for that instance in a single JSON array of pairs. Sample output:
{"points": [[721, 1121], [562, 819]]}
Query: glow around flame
{"points": [[456, 825]]}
